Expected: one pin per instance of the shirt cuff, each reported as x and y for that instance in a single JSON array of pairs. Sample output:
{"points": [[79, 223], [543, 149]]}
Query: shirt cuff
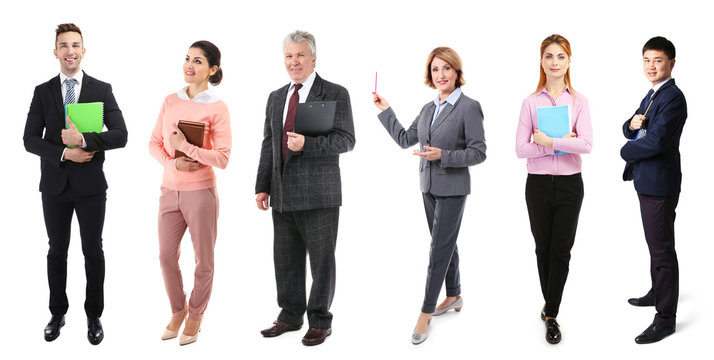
{"points": [[62, 156], [84, 142]]}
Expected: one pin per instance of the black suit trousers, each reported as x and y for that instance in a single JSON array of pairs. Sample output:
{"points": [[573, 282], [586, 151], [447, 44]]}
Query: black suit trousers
{"points": [[658, 213], [297, 234], [58, 211], [554, 203]]}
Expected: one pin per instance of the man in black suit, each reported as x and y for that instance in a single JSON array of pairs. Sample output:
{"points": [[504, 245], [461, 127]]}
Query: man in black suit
{"points": [[300, 177], [72, 179], [652, 156]]}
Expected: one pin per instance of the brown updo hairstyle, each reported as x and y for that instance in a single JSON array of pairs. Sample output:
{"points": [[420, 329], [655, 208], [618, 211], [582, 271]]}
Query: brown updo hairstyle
{"points": [[213, 56], [450, 57]]}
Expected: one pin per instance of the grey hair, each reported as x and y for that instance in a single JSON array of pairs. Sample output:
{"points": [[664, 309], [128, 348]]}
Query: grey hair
{"points": [[299, 36]]}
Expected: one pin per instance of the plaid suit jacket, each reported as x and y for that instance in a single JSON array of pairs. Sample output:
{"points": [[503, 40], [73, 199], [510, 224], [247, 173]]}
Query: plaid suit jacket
{"points": [[309, 179]]}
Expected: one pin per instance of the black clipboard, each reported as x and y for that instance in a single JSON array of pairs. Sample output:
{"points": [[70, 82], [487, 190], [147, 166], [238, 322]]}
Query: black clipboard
{"points": [[315, 118]]}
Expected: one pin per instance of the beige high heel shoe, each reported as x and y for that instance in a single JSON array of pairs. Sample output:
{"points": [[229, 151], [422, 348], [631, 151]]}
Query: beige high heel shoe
{"points": [[188, 339], [170, 334]]}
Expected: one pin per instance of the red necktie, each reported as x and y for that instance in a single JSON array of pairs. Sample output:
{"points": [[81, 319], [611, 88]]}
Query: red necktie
{"points": [[290, 119]]}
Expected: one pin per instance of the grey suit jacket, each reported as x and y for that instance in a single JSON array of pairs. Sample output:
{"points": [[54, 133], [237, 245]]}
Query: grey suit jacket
{"points": [[457, 131], [309, 179]]}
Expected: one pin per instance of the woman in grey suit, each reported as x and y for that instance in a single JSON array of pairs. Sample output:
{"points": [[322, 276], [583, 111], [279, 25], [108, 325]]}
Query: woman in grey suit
{"points": [[450, 134]]}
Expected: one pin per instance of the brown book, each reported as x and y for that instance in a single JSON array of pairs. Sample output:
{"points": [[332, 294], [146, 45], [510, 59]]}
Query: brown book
{"points": [[193, 131]]}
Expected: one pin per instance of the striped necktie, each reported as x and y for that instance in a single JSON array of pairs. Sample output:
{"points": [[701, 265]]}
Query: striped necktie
{"points": [[70, 97]]}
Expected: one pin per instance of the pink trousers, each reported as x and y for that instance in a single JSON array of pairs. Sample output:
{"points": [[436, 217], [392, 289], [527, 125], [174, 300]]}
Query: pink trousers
{"points": [[197, 210]]}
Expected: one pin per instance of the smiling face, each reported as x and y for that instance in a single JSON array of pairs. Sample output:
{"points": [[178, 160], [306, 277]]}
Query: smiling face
{"points": [[555, 62], [299, 61], [443, 76], [69, 50], [195, 67], [657, 65]]}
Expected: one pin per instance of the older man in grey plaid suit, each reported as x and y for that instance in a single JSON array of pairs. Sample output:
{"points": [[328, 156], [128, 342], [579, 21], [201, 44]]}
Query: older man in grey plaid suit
{"points": [[300, 177]]}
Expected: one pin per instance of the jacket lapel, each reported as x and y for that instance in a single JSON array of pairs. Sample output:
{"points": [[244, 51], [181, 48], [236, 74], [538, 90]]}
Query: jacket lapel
{"points": [[87, 83], [277, 121], [57, 96], [316, 90], [442, 116]]}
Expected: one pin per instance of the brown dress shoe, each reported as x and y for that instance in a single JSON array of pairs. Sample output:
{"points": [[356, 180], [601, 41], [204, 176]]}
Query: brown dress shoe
{"points": [[279, 328], [315, 336]]}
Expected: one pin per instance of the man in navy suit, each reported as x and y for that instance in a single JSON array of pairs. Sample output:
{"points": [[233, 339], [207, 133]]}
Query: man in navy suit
{"points": [[72, 179], [652, 156]]}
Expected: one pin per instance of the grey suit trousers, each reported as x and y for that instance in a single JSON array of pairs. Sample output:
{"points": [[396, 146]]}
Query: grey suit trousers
{"points": [[296, 234], [443, 213]]}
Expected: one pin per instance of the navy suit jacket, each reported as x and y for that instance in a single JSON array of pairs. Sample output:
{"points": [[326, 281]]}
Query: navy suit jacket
{"points": [[46, 116], [653, 160]]}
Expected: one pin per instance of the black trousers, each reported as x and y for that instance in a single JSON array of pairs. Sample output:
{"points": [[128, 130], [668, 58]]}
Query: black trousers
{"points": [[58, 211], [443, 213], [658, 214], [553, 208], [297, 234]]}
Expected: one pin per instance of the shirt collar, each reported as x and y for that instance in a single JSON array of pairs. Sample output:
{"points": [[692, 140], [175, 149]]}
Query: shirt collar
{"points": [[451, 99], [659, 85], [567, 89], [79, 76], [307, 84], [204, 97]]}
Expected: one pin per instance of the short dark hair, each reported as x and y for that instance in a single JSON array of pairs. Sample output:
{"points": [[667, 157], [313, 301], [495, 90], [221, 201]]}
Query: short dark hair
{"points": [[69, 27], [662, 44], [213, 56]]}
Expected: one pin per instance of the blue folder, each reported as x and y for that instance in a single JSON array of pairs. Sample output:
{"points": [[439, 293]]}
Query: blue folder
{"points": [[554, 121]]}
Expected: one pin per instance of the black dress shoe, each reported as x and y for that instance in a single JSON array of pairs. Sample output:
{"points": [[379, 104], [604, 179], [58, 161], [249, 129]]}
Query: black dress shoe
{"points": [[52, 330], [647, 300], [552, 331], [95, 333], [654, 333], [315, 336], [278, 328]]}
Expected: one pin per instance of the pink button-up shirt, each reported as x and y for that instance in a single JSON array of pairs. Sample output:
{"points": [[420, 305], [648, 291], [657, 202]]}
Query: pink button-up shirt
{"points": [[540, 158]]}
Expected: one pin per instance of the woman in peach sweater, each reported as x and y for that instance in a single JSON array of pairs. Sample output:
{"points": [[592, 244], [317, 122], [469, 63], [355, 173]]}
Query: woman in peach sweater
{"points": [[188, 192]]}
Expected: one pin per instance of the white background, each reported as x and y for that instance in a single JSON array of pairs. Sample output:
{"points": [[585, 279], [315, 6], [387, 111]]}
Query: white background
{"points": [[383, 242]]}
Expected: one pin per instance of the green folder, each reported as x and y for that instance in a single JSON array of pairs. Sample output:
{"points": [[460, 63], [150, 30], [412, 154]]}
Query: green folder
{"points": [[87, 117]]}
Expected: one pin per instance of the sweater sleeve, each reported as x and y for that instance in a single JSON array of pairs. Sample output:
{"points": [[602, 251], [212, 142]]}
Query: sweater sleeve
{"points": [[220, 133], [156, 144]]}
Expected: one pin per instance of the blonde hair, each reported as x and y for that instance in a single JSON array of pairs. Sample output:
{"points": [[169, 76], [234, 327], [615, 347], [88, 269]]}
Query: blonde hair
{"points": [[452, 58]]}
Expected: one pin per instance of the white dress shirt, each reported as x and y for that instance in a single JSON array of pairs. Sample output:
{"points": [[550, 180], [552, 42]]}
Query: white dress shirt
{"points": [[204, 97], [302, 93], [79, 76]]}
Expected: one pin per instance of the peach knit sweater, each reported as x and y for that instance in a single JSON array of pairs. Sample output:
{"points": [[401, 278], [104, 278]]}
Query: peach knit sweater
{"points": [[216, 142]]}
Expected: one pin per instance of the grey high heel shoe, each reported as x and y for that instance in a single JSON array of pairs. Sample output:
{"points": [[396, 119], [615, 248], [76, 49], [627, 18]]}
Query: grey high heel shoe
{"points": [[456, 305]]}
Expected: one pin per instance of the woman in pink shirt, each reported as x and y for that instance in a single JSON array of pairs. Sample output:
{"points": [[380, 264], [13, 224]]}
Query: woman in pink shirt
{"points": [[554, 189], [188, 192]]}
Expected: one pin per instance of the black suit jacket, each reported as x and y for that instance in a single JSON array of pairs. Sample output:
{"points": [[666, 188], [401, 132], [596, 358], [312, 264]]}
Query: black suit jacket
{"points": [[47, 115], [310, 179], [653, 160]]}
